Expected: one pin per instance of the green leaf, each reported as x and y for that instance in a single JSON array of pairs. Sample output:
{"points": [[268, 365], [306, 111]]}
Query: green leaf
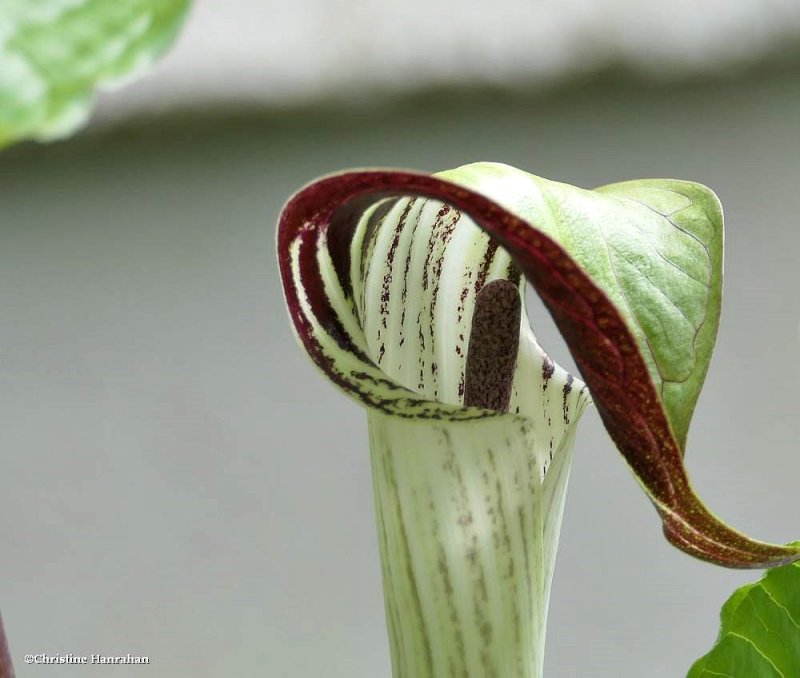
{"points": [[760, 630], [54, 53]]}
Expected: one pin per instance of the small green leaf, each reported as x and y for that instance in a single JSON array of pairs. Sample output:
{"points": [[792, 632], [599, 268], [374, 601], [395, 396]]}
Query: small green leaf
{"points": [[760, 631], [54, 53]]}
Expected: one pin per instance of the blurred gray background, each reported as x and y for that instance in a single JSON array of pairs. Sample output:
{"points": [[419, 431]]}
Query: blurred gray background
{"points": [[179, 482]]}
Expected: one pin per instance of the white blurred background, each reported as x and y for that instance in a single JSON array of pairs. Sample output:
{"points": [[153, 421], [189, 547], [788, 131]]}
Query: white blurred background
{"points": [[179, 482], [268, 52]]}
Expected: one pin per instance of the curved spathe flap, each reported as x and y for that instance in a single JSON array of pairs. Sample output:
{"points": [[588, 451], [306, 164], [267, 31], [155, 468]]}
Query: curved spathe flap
{"points": [[611, 355]]}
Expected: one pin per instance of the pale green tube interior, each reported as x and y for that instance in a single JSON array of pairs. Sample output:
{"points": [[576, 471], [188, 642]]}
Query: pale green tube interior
{"points": [[468, 534]]}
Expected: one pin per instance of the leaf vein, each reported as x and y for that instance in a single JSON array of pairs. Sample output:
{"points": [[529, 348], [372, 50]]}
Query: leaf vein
{"points": [[757, 649]]}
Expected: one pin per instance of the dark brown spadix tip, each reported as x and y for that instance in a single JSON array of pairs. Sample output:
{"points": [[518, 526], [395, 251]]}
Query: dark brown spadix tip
{"points": [[493, 344], [6, 667]]}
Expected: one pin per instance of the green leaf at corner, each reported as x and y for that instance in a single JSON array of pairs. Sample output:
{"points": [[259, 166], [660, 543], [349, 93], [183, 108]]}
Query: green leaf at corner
{"points": [[760, 631], [54, 53]]}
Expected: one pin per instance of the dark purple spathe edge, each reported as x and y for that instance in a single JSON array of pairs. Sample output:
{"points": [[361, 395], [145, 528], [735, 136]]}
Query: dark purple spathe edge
{"points": [[600, 341]]}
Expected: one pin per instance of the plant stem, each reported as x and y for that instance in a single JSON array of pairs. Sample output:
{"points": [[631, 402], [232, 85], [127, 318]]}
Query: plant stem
{"points": [[468, 529], [6, 665]]}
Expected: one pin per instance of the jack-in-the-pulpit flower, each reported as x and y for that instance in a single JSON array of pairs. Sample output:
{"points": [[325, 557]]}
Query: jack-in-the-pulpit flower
{"points": [[406, 290]]}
